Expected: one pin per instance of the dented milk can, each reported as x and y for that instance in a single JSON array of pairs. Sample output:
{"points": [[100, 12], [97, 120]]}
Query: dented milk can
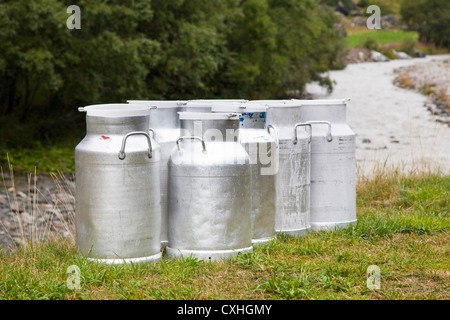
{"points": [[263, 155], [209, 189], [333, 167], [118, 212], [165, 127], [293, 177]]}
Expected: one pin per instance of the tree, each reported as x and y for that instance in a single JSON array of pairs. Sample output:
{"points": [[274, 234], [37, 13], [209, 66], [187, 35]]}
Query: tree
{"points": [[48, 70], [251, 44], [179, 49], [307, 40], [431, 18], [29, 60], [192, 39], [276, 47]]}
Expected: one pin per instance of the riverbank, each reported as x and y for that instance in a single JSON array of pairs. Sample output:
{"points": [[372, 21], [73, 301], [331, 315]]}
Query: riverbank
{"points": [[431, 79], [36, 207], [392, 125]]}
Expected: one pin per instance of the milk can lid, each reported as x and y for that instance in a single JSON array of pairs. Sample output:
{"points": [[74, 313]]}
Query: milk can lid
{"points": [[241, 107], [116, 110], [284, 104], [218, 100], [159, 104], [186, 115], [323, 101], [213, 102]]}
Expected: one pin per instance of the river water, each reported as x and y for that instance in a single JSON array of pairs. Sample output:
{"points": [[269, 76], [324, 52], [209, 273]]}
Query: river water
{"points": [[392, 126]]}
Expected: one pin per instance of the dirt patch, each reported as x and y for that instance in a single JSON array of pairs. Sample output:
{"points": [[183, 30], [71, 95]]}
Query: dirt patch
{"points": [[358, 55]]}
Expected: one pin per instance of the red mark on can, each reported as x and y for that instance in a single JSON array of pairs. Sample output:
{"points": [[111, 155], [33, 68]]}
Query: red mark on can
{"points": [[104, 138]]}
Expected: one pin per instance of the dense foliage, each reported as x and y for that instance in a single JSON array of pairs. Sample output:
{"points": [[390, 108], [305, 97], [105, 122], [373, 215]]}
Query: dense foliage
{"points": [[156, 49], [431, 18]]}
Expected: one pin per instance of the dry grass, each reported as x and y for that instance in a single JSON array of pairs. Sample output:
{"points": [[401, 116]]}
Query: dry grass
{"points": [[404, 80], [31, 220]]}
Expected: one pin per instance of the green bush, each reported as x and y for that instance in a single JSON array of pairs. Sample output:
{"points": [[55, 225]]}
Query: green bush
{"points": [[408, 45], [371, 44], [333, 3], [431, 18], [385, 8], [390, 54]]}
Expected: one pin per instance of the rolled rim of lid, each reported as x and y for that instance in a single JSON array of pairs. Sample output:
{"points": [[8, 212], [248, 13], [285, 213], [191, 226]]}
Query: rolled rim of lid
{"points": [[212, 103], [197, 104], [265, 101], [159, 104], [218, 100], [116, 110], [186, 115], [241, 108], [284, 104], [323, 102]]}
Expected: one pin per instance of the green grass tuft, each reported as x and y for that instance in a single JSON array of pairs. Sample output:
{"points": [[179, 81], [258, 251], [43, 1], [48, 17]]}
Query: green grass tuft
{"points": [[380, 37]]}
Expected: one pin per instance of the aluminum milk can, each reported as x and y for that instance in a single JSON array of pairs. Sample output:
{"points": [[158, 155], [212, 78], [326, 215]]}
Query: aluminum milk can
{"points": [[263, 155], [165, 127], [117, 168], [209, 189], [333, 166], [293, 177]]}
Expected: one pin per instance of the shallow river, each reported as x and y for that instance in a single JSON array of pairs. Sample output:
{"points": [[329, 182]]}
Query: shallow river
{"points": [[401, 131]]}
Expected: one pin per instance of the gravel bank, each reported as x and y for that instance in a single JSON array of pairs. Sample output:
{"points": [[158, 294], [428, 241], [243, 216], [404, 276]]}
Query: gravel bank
{"points": [[34, 208], [431, 79], [392, 125]]}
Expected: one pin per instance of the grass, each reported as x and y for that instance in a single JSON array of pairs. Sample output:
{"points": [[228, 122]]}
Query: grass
{"points": [[386, 40], [44, 159], [403, 228], [28, 148], [380, 36]]}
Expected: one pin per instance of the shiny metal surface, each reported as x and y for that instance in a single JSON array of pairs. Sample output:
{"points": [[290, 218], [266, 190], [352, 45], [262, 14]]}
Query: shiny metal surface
{"points": [[333, 167], [293, 177], [263, 155], [209, 190], [206, 105], [220, 100], [118, 213], [165, 124]]}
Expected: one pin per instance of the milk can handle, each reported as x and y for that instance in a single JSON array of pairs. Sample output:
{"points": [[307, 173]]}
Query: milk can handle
{"points": [[301, 125], [122, 149], [329, 137], [276, 132], [191, 138]]}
